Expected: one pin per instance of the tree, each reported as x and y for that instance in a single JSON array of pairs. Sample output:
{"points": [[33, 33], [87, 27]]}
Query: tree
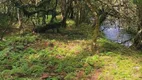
{"points": [[96, 25], [138, 37]]}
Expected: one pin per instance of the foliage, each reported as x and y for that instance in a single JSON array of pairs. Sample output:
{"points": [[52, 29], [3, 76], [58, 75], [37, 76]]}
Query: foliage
{"points": [[137, 1], [61, 60], [5, 20], [66, 55]]}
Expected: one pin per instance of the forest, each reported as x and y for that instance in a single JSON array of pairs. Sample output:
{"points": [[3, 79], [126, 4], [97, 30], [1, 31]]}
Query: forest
{"points": [[70, 39]]}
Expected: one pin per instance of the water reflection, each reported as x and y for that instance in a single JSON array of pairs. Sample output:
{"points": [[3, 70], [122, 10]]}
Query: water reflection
{"points": [[115, 33]]}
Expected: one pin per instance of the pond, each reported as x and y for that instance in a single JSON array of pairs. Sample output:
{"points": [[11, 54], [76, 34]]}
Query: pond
{"points": [[116, 34]]}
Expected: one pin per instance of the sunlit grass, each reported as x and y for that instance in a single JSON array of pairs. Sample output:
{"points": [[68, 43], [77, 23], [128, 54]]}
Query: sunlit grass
{"points": [[67, 57], [120, 63]]}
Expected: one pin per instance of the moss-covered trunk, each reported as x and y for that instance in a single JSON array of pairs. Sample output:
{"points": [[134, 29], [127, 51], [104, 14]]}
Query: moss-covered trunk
{"points": [[138, 37], [96, 26]]}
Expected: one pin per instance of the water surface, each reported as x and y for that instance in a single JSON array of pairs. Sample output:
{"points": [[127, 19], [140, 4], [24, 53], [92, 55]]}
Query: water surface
{"points": [[117, 34]]}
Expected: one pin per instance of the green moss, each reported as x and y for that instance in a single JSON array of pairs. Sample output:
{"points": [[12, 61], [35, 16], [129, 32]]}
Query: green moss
{"points": [[23, 58]]}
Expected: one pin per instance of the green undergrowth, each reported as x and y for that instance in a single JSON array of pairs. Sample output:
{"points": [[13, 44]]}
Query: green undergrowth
{"points": [[31, 57], [120, 62], [66, 56]]}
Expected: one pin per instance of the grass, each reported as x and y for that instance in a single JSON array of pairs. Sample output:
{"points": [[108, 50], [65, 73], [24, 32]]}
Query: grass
{"points": [[67, 56], [121, 63]]}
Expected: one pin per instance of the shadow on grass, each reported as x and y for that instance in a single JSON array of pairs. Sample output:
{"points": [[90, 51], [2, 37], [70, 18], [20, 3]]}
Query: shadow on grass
{"points": [[108, 46], [65, 35]]}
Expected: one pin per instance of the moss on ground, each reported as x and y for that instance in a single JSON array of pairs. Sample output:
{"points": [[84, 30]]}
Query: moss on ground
{"points": [[67, 56]]}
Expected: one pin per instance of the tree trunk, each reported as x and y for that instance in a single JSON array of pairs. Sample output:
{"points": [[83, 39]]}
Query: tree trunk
{"points": [[20, 26], [138, 37], [138, 40], [96, 26]]}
